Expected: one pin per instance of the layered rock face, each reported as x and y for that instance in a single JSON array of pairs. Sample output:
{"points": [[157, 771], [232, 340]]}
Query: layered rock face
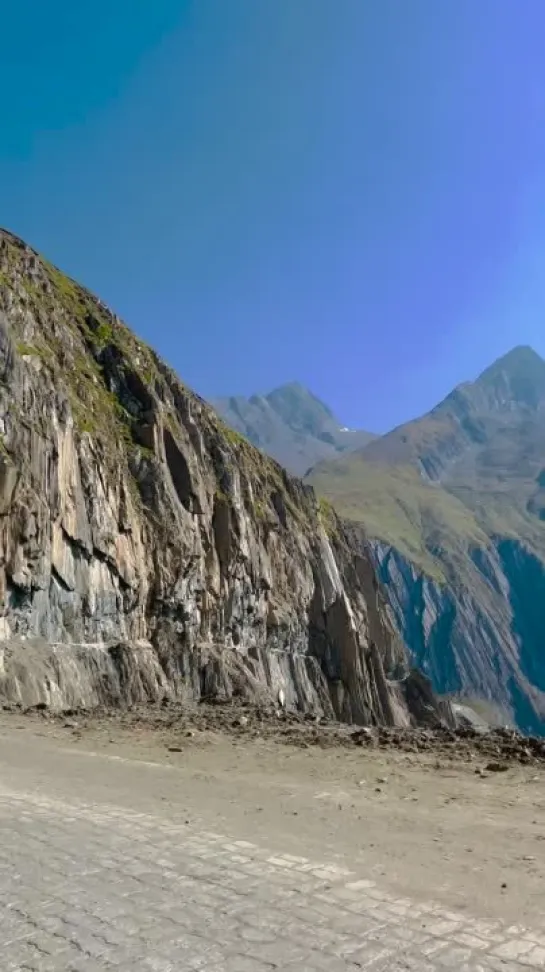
{"points": [[145, 549], [482, 641]]}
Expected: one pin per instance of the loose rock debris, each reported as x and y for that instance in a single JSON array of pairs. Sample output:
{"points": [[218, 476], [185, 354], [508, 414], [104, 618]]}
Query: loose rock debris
{"points": [[500, 747]]}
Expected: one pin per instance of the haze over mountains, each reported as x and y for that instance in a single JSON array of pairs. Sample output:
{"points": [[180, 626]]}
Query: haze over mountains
{"points": [[455, 505], [291, 425]]}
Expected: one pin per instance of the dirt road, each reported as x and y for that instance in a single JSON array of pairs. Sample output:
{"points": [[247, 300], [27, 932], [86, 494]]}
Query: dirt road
{"points": [[133, 848]]}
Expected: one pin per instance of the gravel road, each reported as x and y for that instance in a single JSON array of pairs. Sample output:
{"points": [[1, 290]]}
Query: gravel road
{"points": [[121, 853]]}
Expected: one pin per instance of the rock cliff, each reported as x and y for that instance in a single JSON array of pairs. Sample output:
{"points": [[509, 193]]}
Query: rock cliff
{"points": [[145, 549], [481, 640]]}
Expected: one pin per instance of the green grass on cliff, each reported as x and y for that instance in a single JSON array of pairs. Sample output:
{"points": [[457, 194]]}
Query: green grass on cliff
{"points": [[395, 505], [430, 524], [483, 453]]}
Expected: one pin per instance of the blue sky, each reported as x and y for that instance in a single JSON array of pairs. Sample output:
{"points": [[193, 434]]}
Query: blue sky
{"points": [[350, 193]]}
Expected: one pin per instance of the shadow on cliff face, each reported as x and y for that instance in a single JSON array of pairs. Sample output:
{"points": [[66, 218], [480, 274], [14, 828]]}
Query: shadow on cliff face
{"points": [[425, 616], [481, 635], [526, 576]]}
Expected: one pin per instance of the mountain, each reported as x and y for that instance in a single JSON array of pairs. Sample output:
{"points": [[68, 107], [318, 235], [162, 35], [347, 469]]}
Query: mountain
{"points": [[454, 503], [291, 425], [146, 550]]}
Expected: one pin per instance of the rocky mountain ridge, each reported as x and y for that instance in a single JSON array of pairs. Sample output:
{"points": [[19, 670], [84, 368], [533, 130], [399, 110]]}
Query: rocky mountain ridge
{"points": [[454, 504], [291, 425], [147, 551]]}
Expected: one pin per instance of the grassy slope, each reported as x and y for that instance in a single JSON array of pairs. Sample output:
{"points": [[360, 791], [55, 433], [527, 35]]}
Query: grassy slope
{"points": [[396, 506], [420, 519], [489, 468]]}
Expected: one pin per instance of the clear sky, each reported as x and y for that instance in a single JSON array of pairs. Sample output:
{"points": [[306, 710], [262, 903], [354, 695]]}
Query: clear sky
{"points": [[350, 193]]}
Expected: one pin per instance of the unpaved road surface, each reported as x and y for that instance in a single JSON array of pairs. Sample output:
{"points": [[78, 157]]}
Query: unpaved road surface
{"points": [[126, 849]]}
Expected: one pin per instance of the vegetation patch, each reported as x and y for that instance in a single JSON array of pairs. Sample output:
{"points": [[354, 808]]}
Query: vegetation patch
{"points": [[396, 506], [327, 516], [27, 349]]}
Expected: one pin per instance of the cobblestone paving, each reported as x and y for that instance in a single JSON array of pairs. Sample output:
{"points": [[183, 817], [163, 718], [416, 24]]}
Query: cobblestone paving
{"points": [[97, 888]]}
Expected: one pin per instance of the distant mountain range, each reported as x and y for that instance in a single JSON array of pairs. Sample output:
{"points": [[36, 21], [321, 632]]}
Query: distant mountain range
{"points": [[455, 505], [291, 425]]}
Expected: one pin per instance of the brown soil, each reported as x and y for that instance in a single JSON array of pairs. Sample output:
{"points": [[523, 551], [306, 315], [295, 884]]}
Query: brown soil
{"points": [[499, 748]]}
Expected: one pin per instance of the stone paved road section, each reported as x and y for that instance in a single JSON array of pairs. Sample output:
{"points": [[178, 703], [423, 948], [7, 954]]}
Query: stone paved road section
{"points": [[103, 888]]}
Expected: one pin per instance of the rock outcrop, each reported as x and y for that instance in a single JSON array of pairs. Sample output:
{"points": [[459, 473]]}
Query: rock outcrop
{"points": [[148, 551], [480, 639]]}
